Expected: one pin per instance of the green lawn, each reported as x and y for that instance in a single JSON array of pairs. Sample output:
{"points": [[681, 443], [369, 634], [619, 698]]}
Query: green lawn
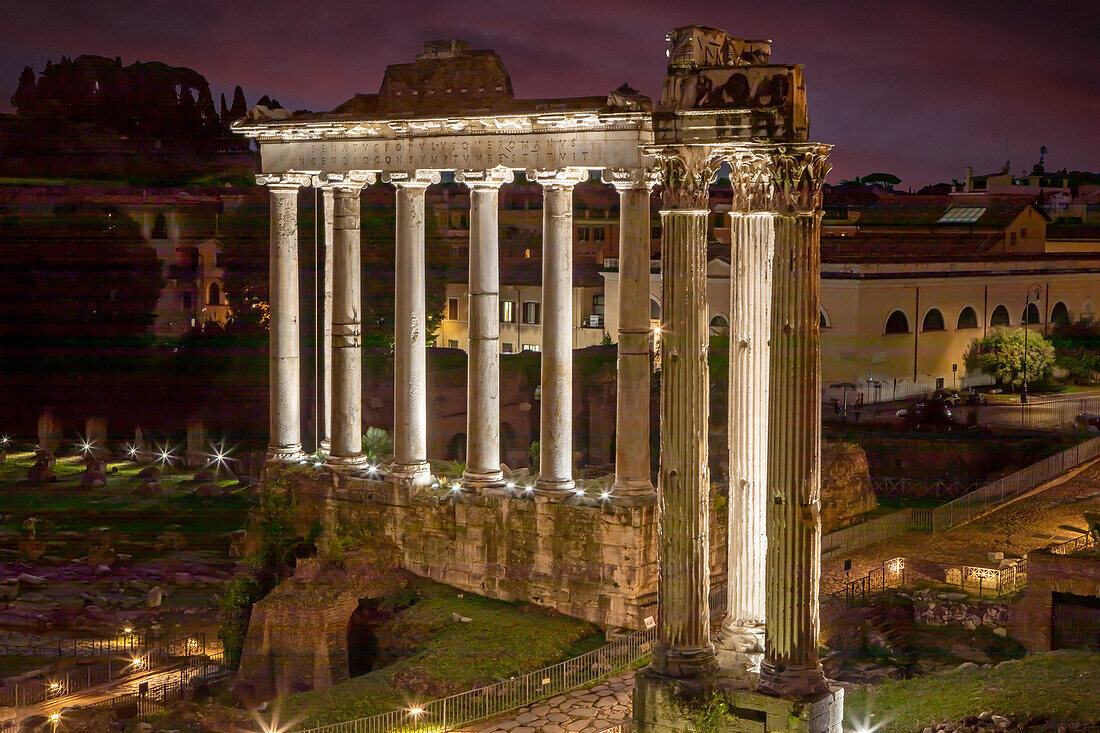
{"points": [[1062, 685], [502, 640]]}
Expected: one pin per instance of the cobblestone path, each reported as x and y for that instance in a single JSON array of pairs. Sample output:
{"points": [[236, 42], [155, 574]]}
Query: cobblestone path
{"points": [[590, 710]]}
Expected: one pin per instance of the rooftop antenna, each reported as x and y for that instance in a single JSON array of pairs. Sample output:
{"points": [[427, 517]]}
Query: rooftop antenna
{"points": [[1008, 161]]}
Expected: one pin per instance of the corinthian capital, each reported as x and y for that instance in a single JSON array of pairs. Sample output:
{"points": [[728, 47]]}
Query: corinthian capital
{"points": [[492, 178], [751, 180], [798, 173], [284, 180], [626, 179], [552, 177], [686, 174]]}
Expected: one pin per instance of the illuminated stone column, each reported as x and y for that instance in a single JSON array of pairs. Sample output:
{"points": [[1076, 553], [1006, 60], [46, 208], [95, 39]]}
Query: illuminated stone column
{"points": [[791, 667], [752, 244], [555, 478], [285, 406], [325, 393], [410, 406], [632, 483], [347, 329], [683, 647], [483, 383]]}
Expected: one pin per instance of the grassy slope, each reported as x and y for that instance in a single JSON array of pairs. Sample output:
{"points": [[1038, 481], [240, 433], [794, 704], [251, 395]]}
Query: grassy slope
{"points": [[1062, 685], [502, 640]]}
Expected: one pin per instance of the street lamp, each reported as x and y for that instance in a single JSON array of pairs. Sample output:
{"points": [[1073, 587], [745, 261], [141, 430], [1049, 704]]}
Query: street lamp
{"points": [[1027, 313]]}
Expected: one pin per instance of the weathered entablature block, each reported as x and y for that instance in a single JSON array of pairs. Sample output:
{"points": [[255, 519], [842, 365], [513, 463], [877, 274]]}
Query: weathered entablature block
{"points": [[723, 88]]}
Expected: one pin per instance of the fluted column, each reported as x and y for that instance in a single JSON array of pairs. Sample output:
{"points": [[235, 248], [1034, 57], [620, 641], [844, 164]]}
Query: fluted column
{"points": [[555, 478], [791, 667], [683, 647], [483, 383], [410, 406], [347, 329], [632, 482], [752, 244], [285, 406], [325, 392]]}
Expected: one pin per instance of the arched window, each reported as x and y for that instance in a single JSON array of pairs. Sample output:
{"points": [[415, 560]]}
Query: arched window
{"points": [[654, 310], [822, 319], [999, 317], [933, 321], [968, 318], [1030, 315], [719, 326], [160, 227], [215, 295], [897, 323], [1059, 314]]}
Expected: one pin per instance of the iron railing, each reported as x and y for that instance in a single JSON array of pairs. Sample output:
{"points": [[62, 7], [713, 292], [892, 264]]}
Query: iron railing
{"points": [[1075, 545], [916, 489], [988, 581], [451, 712], [998, 492]]}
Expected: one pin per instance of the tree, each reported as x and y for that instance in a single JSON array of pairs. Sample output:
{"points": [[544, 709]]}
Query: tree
{"points": [[1001, 356]]}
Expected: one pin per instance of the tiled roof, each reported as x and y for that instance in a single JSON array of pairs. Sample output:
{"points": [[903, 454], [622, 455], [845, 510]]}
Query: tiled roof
{"points": [[927, 211]]}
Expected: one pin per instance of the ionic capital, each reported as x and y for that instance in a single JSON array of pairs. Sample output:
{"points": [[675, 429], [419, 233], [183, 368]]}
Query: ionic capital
{"points": [[628, 179], [350, 180], [284, 181], [686, 174], [491, 178], [420, 178], [557, 177]]}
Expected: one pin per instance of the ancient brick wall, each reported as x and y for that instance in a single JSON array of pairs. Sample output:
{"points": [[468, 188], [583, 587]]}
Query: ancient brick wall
{"points": [[1049, 573]]}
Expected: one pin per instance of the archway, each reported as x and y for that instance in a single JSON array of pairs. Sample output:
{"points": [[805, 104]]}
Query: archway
{"points": [[999, 316], [362, 641], [215, 295]]}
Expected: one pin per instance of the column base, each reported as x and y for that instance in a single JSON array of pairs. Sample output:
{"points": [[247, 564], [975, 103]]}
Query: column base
{"points": [[357, 462], [285, 454], [325, 446], [666, 705], [476, 481], [740, 652], [414, 475], [793, 682], [685, 663], [557, 489], [627, 492]]}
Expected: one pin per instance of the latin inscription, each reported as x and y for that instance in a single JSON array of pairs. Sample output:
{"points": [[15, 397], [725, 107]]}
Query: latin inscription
{"points": [[618, 149]]}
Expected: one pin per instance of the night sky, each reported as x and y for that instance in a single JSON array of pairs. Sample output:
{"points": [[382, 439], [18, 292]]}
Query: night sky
{"points": [[919, 89]]}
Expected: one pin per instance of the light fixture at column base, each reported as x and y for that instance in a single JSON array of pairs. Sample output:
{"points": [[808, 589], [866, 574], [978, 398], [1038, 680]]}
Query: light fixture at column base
{"points": [[791, 682], [478, 482], [416, 475]]}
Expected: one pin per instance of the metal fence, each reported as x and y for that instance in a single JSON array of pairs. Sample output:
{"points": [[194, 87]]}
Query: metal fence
{"points": [[989, 581], [857, 592], [124, 644], [992, 494], [1056, 413], [1074, 545], [875, 530], [148, 700], [451, 712], [916, 489]]}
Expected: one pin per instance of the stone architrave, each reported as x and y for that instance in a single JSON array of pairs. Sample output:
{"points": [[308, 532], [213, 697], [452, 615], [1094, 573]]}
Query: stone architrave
{"points": [[683, 647], [285, 432], [410, 419], [791, 667], [346, 450], [632, 459], [555, 479], [752, 239], [483, 383]]}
